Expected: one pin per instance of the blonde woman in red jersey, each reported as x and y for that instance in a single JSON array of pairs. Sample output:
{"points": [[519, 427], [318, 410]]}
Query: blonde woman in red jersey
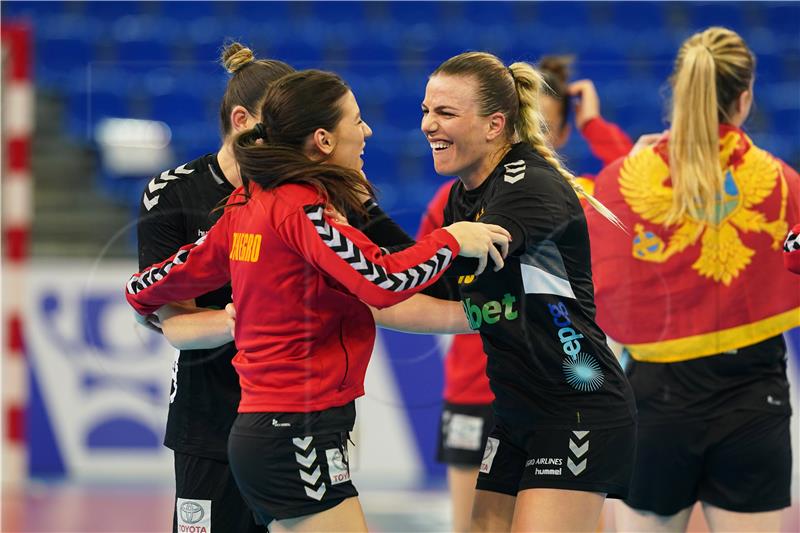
{"points": [[467, 413]]}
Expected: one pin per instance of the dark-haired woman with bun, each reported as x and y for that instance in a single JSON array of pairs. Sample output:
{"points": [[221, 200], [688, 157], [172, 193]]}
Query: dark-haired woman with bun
{"points": [[176, 210], [301, 279]]}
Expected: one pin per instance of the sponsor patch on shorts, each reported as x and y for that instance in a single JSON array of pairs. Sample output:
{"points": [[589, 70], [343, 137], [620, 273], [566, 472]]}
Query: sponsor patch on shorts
{"points": [[194, 516], [338, 465], [488, 454], [464, 432]]}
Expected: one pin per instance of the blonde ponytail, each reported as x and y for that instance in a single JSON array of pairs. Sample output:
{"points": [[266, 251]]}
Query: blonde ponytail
{"points": [[530, 127], [712, 70], [694, 138]]}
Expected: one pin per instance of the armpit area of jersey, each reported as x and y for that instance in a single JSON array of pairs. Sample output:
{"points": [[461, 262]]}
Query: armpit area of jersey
{"points": [[380, 228], [279, 424]]}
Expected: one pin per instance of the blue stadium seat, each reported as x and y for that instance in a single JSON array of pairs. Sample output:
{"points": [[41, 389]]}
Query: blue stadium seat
{"points": [[64, 54], [108, 11], [386, 50], [182, 105], [601, 63], [30, 10], [300, 55], [181, 11], [563, 15], [336, 12], [192, 139], [716, 14], [373, 56], [502, 13], [637, 15], [770, 67], [86, 108], [403, 111], [784, 17], [404, 14], [144, 52]]}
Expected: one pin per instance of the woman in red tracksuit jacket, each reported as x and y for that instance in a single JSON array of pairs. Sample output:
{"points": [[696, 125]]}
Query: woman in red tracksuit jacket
{"points": [[299, 275], [467, 412]]}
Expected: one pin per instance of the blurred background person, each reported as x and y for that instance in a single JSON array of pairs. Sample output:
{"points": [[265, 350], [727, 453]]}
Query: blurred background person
{"points": [[686, 295], [605, 140]]}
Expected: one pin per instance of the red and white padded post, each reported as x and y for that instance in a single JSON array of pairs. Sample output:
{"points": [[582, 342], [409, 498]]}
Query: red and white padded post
{"points": [[17, 208]]}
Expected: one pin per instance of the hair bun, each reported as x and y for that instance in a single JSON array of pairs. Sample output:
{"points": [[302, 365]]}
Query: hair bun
{"points": [[235, 56], [557, 66]]}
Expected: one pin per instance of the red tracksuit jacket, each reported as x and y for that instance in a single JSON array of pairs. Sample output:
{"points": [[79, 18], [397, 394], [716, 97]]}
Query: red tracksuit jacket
{"points": [[303, 335]]}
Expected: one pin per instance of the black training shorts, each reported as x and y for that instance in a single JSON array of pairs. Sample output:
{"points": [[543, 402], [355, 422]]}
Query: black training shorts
{"points": [[463, 430], [207, 498], [740, 461], [289, 477], [597, 460]]}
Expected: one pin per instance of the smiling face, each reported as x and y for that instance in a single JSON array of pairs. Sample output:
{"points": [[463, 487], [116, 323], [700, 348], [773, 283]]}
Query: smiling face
{"points": [[463, 142], [349, 135]]}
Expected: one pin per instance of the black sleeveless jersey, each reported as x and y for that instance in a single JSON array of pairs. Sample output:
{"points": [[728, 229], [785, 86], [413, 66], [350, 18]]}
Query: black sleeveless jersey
{"points": [[176, 210], [548, 362]]}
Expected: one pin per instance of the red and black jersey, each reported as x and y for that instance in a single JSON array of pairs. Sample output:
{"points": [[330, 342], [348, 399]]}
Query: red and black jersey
{"points": [[465, 380], [176, 210], [299, 281]]}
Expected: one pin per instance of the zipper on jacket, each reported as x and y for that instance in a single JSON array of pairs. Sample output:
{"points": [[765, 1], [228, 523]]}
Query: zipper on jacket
{"points": [[346, 355]]}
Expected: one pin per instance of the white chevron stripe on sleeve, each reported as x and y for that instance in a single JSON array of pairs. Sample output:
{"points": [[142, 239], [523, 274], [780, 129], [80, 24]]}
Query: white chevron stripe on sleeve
{"points": [[150, 203], [428, 269], [361, 265], [373, 272], [166, 176], [153, 186], [183, 170], [315, 214], [336, 240]]}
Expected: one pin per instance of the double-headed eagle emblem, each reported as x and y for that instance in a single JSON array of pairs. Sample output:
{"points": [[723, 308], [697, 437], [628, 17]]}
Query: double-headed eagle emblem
{"points": [[749, 181]]}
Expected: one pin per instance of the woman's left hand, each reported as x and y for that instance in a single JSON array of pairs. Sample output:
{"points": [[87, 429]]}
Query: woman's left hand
{"points": [[588, 105]]}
